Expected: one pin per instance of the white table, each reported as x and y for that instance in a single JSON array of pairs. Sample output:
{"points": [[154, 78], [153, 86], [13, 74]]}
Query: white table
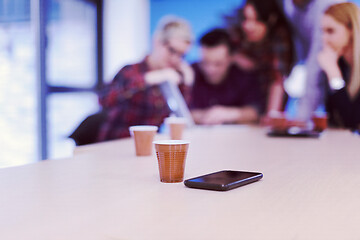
{"points": [[310, 190]]}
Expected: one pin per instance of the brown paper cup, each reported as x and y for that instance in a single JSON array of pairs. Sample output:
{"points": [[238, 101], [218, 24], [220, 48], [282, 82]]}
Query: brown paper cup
{"points": [[320, 121], [176, 127], [171, 155], [278, 121], [143, 138]]}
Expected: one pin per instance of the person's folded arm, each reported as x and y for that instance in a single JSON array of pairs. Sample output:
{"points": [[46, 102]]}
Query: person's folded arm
{"points": [[156, 77], [198, 115], [328, 61], [186, 83], [275, 96], [225, 114]]}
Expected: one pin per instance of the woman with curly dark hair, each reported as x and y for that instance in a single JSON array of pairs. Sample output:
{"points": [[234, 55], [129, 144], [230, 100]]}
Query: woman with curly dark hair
{"points": [[263, 45]]}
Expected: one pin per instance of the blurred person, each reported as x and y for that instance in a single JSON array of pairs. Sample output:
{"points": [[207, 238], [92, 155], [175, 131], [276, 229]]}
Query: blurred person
{"points": [[222, 93], [264, 46], [304, 18], [134, 96], [339, 60]]}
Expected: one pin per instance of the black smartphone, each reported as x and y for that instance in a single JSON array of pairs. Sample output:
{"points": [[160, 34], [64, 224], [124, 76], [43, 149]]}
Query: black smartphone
{"points": [[223, 180], [294, 132]]}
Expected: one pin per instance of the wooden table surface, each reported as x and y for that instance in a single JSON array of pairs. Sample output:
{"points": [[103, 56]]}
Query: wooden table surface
{"points": [[310, 190]]}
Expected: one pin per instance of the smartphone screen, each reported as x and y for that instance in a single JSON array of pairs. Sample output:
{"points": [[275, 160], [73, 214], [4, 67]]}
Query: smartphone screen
{"points": [[223, 180]]}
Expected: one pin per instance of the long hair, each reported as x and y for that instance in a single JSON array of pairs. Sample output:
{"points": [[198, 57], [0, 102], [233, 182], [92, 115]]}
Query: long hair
{"points": [[348, 14], [270, 14]]}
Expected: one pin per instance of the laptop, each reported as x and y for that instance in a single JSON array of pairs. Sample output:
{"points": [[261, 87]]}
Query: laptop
{"points": [[176, 102]]}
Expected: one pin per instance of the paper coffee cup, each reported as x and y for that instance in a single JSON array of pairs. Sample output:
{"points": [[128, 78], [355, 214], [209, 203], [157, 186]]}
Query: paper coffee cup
{"points": [[171, 155], [278, 121], [176, 127], [320, 121], [143, 137]]}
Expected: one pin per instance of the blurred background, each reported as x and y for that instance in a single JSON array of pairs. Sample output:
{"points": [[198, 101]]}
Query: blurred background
{"points": [[54, 55]]}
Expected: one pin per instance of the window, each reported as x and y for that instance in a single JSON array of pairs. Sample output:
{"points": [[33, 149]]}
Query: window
{"points": [[56, 46]]}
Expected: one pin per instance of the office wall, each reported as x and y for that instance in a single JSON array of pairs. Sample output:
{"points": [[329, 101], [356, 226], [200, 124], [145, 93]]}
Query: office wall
{"points": [[126, 33], [202, 14]]}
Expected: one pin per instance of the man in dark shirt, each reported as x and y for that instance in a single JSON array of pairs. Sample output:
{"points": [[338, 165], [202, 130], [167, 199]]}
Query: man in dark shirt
{"points": [[222, 93]]}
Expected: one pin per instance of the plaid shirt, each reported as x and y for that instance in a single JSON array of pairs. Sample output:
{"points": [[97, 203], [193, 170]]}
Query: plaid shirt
{"points": [[129, 101]]}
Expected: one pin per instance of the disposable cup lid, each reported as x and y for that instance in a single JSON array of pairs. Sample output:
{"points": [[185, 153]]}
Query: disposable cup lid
{"points": [[320, 114], [276, 114], [171, 142], [175, 120], [143, 128]]}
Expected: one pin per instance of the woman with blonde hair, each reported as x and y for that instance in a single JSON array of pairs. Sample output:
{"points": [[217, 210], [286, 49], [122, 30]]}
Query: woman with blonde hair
{"points": [[340, 62]]}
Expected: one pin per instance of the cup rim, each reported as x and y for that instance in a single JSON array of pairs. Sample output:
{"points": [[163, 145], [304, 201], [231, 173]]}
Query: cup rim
{"points": [[318, 114], [175, 120], [143, 128], [171, 142], [277, 114]]}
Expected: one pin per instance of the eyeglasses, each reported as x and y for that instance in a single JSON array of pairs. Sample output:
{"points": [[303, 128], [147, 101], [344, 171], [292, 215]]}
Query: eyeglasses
{"points": [[173, 51]]}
